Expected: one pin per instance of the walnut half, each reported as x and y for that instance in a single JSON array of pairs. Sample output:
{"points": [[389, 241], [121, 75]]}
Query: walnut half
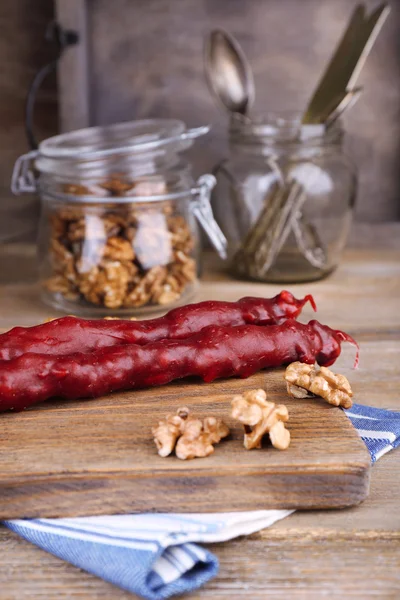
{"points": [[168, 431], [190, 437], [260, 417], [305, 381]]}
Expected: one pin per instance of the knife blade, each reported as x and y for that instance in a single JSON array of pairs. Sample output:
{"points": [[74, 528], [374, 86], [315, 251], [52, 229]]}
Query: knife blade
{"points": [[347, 62], [331, 82]]}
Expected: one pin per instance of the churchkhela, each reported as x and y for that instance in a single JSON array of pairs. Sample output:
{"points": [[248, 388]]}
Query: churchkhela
{"points": [[215, 352], [67, 335]]}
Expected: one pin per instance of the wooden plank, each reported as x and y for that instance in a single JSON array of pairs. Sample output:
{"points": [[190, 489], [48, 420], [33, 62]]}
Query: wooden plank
{"points": [[273, 564], [24, 51], [73, 70], [98, 456], [308, 566]]}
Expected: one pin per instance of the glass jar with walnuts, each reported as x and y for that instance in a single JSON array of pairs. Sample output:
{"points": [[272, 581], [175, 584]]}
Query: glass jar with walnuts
{"points": [[118, 232]]}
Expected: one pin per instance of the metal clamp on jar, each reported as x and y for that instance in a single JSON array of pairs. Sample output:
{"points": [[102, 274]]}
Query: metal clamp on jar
{"points": [[118, 230]]}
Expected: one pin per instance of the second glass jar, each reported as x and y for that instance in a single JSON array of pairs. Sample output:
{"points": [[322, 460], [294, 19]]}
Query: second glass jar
{"points": [[284, 198]]}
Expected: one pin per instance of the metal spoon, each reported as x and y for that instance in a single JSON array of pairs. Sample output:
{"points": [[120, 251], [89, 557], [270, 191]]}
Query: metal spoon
{"points": [[228, 72]]}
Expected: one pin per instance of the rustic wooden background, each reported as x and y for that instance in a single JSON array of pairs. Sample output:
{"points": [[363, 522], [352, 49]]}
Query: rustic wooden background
{"points": [[145, 59], [22, 51]]}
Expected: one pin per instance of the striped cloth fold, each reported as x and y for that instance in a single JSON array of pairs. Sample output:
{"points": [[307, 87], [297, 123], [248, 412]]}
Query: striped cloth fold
{"points": [[380, 429], [152, 555], [155, 555]]}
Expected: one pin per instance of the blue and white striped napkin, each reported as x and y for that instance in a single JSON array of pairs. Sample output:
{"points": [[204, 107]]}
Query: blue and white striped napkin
{"points": [[155, 555]]}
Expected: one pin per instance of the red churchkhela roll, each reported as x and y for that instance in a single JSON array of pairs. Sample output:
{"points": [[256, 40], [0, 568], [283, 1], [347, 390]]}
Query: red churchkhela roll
{"points": [[213, 353], [68, 334]]}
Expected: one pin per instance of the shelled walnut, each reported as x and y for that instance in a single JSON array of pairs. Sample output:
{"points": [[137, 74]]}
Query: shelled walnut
{"points": [[306, 381], [260, 417], [190, 437], [118, 185], [120, 256]]}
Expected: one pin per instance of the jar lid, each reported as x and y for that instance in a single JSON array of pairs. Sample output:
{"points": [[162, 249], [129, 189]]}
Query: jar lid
{"points": [[130, 137], [97, 151]]}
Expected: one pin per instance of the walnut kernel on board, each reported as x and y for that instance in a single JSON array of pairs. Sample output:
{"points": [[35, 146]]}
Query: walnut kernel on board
{"points": [[189, 437], [260, 417], [306, 381]]}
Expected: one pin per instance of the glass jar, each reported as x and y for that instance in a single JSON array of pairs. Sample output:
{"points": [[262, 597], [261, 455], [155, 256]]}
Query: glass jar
{"points": [[118, 231], [284, 198]]}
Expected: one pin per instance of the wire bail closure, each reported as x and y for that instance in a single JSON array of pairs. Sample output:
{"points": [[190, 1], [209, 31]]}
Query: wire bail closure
{"points": [[23, 180], [203, 212]]}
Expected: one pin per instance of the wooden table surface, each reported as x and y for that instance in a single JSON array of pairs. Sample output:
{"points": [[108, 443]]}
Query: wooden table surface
{"points": [[353, 553]]}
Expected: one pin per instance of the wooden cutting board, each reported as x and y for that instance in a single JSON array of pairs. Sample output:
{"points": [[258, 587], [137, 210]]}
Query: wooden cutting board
{"points": [[96, 457]]}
